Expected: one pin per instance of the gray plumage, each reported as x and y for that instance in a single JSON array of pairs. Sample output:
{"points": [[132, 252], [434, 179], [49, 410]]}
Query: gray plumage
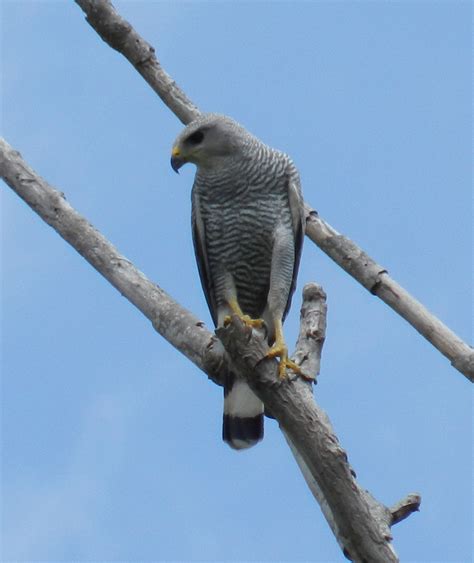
{"points": [[248, 226]]}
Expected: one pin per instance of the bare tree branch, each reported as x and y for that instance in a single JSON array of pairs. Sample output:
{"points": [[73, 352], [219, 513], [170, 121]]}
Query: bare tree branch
{"points": [[180, 327], [361, 524], [376, 280], [403, 509], [120, 35], [312, 330]]}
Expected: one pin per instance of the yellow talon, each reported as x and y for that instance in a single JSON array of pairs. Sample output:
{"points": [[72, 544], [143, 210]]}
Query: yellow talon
{"points": [[246, 319], [254, 323], [279, 350]]}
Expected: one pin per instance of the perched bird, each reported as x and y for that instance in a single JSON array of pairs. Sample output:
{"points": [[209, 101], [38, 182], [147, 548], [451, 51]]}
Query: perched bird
{"points": [[248, 227]]}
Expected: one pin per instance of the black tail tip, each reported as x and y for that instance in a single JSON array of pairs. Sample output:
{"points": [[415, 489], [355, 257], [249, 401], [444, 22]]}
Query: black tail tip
{"points": [[242, 433]]}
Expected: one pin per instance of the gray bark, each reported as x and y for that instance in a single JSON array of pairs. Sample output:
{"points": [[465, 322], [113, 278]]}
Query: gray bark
{"points": [[360, 523], [180, 327], [120, 35], [376, 280], [312, 330]]}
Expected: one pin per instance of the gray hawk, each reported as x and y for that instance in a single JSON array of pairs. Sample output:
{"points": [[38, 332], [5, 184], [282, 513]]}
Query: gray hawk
{"points": [[248, 227]]}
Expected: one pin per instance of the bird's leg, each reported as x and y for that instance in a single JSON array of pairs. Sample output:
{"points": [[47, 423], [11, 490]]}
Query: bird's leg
{"points": [[246, 319], [280, 350]]}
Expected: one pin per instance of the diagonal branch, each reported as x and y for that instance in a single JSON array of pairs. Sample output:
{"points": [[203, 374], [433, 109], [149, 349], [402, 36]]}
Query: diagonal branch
{"points": [[360, 523], [180, 327], [120, 35], [376, 280]]}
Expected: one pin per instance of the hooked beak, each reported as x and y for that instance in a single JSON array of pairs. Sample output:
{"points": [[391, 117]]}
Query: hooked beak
{"points": [[176, 159]]}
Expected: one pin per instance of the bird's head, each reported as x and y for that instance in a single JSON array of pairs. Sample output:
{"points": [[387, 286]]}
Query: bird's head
{"points": [[206, 140]]}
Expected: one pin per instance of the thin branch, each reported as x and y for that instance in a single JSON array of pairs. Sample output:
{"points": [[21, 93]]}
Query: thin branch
{"points": [[120, 35], [361, 524], [322, 472], [312, 330], [180, 327], [403, 509], [376, 280]]}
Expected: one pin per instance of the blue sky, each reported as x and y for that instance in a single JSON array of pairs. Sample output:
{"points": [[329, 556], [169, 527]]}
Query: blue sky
{"points": [[111, 444]]}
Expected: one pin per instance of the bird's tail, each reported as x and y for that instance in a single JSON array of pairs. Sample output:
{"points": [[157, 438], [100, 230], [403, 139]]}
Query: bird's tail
{"points": [[243, 414]]}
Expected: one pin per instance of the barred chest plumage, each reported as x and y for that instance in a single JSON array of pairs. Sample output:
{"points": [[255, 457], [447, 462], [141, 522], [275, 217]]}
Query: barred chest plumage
{"points": [[239, 206]]}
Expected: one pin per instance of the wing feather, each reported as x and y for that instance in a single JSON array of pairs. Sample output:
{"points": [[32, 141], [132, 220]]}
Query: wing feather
{"points": [[295, 200], [200, 250]]}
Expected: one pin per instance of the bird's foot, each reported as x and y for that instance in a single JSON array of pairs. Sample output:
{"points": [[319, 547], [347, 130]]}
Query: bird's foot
{"points": [[247, 320], [281, 351]]}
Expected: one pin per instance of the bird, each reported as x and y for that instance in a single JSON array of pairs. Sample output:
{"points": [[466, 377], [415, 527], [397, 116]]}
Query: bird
{"points": [[247, 226]]}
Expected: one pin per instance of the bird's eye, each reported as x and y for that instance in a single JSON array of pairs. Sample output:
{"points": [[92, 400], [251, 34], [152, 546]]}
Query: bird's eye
{"points": [[196, 138]]}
